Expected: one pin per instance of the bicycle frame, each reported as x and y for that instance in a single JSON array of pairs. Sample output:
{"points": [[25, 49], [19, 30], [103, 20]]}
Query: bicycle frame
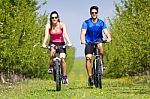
{"points": [[57, 66], [97, 65], [97, 57]]}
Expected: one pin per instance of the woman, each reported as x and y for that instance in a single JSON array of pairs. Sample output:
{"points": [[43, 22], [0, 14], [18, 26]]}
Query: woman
{"points": [[57, 32]]}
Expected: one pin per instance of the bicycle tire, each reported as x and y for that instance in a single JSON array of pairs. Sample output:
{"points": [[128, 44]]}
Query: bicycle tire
{"points": [[94, 73], [98, 74], [58, 78]]}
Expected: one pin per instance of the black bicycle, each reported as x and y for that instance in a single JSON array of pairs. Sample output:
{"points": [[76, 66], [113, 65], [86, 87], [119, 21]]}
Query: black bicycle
{"points": [[57, 66], [97, 69]]}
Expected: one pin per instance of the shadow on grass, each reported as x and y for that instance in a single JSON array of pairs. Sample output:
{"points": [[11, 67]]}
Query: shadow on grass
{"points": [[52, 90], [136, 91], [129, 90], [82, 87], [71, 88]]}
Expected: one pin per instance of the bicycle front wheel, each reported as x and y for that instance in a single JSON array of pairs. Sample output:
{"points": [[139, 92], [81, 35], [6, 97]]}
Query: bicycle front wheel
{"points": [[58, 75], [98, 74]]}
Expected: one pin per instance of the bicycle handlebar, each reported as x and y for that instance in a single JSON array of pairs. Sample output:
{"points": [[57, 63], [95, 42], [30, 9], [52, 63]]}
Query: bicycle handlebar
{"points": [[55, 46], [97, 42]]}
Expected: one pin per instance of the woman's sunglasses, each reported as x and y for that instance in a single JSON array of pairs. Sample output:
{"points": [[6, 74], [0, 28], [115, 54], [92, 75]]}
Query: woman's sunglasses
{"points": [[54, 17]]}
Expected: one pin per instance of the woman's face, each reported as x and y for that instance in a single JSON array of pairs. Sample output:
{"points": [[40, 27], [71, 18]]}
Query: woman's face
{"points": [[54, 18]]}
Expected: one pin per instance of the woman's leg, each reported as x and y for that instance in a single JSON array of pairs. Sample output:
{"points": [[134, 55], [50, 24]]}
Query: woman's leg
{"points": [[63, 63], [52, 52]]}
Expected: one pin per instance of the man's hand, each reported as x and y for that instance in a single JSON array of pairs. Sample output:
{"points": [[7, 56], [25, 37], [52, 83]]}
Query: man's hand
{"points": [[109, 40], [83, 42]]}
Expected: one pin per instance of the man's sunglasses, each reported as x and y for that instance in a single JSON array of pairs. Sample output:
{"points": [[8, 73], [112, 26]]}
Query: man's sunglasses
{"points": [[54, 17], [94, 12]]}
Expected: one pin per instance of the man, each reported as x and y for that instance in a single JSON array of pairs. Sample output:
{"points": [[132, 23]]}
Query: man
{"points": [[91, 31]]}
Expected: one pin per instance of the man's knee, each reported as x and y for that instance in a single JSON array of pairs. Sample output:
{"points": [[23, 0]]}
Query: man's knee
{"points": [[88, 59], [101, 50]]}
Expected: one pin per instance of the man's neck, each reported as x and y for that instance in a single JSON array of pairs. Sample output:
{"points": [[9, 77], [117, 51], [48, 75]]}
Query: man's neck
{"points": [[94, 20]]}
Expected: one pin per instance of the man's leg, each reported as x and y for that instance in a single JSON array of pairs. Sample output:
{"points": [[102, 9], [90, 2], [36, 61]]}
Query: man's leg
{"points": [[89, 64], [89, 69], [101, 50], [88, 54]]}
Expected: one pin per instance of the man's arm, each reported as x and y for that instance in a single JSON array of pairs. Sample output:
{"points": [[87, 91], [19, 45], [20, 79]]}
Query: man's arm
{"points": [[107, 35], [82, 36]]}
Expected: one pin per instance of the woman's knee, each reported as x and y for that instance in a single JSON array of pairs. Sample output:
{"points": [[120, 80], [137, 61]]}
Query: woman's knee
{"points": [[62, 55]]}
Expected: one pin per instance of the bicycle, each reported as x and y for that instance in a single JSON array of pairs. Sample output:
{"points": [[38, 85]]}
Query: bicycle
{"points": [[97, 69], [57, 66]]}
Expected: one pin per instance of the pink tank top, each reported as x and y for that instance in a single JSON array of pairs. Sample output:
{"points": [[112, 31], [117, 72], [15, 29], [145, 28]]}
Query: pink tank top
{"points": [[56, 36]]}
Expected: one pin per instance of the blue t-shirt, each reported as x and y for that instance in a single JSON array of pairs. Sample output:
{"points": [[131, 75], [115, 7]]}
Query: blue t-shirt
{"points": [[93, 30]]}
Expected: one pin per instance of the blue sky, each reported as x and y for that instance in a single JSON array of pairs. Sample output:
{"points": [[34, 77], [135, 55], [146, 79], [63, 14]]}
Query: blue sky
{"points": [[74, 12]]}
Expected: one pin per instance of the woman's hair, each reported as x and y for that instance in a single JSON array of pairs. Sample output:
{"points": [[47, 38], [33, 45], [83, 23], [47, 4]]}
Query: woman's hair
{"points": [[54, 12]]}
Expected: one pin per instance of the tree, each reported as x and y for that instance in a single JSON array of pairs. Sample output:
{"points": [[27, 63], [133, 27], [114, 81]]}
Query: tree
{"points": [[129, 53]]}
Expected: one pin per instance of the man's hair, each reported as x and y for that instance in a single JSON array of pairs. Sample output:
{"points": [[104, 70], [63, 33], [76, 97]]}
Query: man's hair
{"points": [[94, 7]]}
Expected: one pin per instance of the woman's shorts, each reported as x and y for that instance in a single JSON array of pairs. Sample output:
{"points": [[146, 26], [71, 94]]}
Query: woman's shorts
{"points": [[62, 50]]}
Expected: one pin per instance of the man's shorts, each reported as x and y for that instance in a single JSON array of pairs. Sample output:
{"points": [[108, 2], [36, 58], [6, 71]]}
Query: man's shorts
{"points": [[89, 49]]}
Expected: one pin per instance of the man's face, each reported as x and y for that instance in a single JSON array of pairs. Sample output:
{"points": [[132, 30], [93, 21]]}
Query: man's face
{"points": [[94, 13]]}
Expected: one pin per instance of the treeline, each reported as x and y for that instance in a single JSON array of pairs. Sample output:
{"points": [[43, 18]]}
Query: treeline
{"points": [[21, 36], [129, 52]]}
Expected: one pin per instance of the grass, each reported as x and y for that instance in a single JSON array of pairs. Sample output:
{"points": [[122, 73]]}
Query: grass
{"points": [[77, 88]]}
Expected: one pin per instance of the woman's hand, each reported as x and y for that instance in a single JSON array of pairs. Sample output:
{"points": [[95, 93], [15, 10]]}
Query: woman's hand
{"points": [[69, 44], [44, 46]]}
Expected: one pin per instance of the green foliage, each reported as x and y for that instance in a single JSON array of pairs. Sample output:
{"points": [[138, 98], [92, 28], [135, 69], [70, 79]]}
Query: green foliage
{"points": [[129, 52], [21, 34], [70, 58]]}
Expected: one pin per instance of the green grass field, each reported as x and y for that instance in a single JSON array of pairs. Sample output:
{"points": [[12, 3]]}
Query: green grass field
{"points": [[76, 89]]}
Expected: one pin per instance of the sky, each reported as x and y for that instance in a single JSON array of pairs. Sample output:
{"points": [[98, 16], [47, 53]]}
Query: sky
{"points": [[74, 12]]}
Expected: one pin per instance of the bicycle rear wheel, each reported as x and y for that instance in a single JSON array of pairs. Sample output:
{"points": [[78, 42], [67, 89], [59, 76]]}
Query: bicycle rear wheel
{"points": [[58, 75], [98, 74]]}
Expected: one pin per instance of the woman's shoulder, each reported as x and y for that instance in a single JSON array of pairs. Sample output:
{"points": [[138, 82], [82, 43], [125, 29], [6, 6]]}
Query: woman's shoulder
{"points": [[62, 24], [47, 25]]}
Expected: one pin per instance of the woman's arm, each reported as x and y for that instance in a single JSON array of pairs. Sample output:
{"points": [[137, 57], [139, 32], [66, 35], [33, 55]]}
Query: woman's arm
{"points": [[66, 34], [46, 34]]}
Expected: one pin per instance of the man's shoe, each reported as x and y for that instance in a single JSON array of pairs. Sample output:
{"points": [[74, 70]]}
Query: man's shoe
{"points": [[90, 81]]}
